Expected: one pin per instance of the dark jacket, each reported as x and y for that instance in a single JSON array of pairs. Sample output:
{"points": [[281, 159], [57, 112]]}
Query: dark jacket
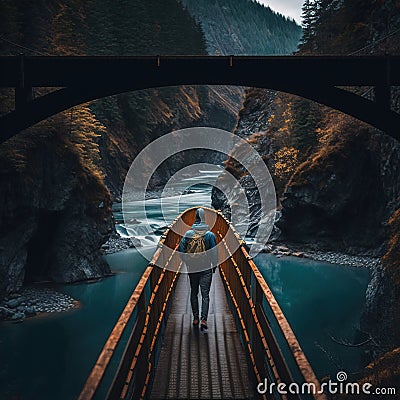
{"points": [[210, 242]]}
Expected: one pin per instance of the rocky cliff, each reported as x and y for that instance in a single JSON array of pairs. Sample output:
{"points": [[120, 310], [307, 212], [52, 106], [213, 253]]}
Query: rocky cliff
{"points": [[341, 197], [54, 213], [337, 179]]}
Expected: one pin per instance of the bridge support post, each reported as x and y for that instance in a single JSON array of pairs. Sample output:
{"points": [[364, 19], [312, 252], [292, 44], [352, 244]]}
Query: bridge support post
{"points": [[383, 91], [383, 96], [23, 92]]}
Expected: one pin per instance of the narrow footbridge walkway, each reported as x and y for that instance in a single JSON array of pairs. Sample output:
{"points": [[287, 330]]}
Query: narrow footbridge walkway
{"points": [[154, 352], [193, 365]]}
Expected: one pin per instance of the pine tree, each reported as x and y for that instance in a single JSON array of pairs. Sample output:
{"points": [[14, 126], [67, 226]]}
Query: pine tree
{"points": [[84, 132], [309, 21], [304, 123]]}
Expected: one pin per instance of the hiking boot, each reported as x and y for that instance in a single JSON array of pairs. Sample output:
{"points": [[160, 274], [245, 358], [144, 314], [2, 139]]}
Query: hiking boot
{"points": [[203, 325], [195, 321]]}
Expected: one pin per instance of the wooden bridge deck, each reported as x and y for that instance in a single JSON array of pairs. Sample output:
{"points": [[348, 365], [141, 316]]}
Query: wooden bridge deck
{"points": [[193, 365]]}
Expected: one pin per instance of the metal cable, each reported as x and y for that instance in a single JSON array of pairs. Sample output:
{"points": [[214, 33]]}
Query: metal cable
{"points": [[22, 47], [374, 43]]}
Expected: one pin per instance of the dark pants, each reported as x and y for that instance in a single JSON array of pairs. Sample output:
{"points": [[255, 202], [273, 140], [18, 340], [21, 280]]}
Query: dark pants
{"points": [[202, 279]]}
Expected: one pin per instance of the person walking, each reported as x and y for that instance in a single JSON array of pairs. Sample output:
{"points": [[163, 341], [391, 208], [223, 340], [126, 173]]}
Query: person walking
{"points": [[200, 264]]}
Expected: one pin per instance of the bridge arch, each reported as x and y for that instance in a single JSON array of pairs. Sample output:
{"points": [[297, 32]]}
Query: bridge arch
{"points": [[320, 78]]}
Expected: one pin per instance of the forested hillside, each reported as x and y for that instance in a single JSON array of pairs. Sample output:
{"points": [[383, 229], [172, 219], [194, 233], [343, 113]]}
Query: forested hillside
{"points": [[244, 27], [338, 180]]}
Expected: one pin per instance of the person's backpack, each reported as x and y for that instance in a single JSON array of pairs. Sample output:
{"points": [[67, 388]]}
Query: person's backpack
{"points": [[196, 244], [195, 248]]}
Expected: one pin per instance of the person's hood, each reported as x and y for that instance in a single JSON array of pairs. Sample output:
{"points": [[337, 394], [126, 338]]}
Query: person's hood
{"points": [[200, 215], [200, 224]]}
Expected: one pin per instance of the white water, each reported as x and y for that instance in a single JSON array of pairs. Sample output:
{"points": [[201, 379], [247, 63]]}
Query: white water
{"points": [[160, 212]]}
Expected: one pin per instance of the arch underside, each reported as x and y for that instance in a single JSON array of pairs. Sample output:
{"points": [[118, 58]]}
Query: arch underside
{"points": [[60, 100]]}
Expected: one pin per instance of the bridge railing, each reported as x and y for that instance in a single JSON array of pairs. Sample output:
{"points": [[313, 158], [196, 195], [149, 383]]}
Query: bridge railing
{"points": [[148, 306]]}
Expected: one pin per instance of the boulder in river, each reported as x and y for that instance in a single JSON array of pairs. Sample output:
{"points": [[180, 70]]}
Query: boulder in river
{"points": [[135, 242], [18, 316], [15, 302]]}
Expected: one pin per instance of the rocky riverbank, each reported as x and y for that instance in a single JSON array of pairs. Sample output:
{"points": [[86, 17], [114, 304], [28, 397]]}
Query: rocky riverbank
{"points": [[31, 301], [118, 243], [332, 257]]}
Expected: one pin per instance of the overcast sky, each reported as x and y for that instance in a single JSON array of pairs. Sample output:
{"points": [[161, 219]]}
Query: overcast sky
{"points": [[290, 8]]}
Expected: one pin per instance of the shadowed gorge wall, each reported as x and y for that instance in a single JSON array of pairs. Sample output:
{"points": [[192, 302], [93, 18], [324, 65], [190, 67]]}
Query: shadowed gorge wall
{"points": [[55, 213], [337, 179]]}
